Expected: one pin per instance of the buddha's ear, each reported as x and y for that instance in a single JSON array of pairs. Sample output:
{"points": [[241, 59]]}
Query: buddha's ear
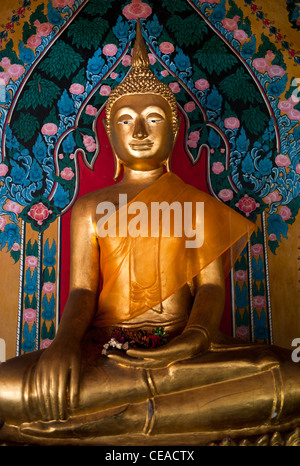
{"points": [[116, 158], [177, 131]]}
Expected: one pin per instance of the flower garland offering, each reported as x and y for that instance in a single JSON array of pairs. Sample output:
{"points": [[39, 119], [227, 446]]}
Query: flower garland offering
{"points": [[123, 339]]}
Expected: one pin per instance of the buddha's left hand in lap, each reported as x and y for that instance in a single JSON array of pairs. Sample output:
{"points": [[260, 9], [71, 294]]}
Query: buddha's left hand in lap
{"points": [[190, 343]]}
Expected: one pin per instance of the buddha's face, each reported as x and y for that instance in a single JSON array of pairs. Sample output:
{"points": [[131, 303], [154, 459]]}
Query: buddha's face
{"points": [[141, 131]]}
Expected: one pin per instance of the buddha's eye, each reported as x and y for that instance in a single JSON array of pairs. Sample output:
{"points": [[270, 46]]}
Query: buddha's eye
{"points": [[154, 121], [125, 122]]}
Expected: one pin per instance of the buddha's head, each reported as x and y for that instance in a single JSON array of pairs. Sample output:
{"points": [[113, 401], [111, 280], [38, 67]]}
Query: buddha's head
{"points": [[141, 116]]}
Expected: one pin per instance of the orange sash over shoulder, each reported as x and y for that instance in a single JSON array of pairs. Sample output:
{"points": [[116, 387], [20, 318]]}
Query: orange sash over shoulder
{"points": [[139, 272]]}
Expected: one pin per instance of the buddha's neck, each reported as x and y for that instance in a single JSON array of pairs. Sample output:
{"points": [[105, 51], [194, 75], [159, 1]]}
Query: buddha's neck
{"points": [[140, 177]]}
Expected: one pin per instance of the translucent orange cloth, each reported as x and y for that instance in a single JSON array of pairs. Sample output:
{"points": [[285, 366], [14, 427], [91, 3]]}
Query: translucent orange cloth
{"points": [[140, 272]]}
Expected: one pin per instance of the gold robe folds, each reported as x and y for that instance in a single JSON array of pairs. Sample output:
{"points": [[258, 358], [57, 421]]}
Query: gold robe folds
{"points": [[192, 230]]}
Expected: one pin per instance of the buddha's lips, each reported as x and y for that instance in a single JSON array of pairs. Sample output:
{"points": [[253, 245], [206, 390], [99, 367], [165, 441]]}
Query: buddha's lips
{"points": [[141, 145]]}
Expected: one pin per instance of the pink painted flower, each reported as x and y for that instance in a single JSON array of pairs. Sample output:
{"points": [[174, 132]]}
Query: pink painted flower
{"points": [[261, 64], [242, 332], [174, 87], [259, 302], [202, 84], [49, 129], [76, 89], [105, 90], [164, 73], [46, 343], [285, 213], [5, 62], [67, 173], [230, 23], [15, 247], [217, 168], [31, 261], [166, 47], [275, 70], [12, 206], [39, 212], [293, 100], [194, 135], [247, 204], [285, 106], [152, 58], [240, 275], [5, 76], [232, 123], [189, 106], [113, 75], [43, 29], [257, 249], [294, 114], [272, 197], [34, 41], [137, 9], [49, 287], [282, 160], [29, 315], [298, 168], [3, 222], [3, 169], [62, 3], [126, 60], [270, 55], [89, 143], [110, 50], [272, 237], [240, 35], [90, 110], [192, 144], [226, 194], [72, 156], [60, 156], [15, 71]]}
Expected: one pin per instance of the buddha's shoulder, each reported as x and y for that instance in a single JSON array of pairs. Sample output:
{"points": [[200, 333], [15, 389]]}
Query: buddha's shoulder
{"points": [[89, 202]]}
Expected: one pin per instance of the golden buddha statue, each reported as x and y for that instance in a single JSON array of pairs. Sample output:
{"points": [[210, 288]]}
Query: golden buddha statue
{"points": [[96, 384]]}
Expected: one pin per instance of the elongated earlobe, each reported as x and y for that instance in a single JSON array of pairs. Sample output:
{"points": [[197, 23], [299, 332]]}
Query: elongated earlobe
{"points": [[116, 158]]}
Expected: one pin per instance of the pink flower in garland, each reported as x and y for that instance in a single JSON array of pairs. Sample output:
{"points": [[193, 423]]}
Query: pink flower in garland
{"points": [[3, 169], [15, 71], [43, 29], [230, 23], [231, 123], [137, 9], [226, 195], [89, 143], [217, 168], [39, 212], [282, 160], [76, 89], [189, 106], [257, 249], [240, 275], [259, 302], [247, 205], [202, 84], [261, 64]]}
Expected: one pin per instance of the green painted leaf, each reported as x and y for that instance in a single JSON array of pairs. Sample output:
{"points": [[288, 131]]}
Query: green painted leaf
{"points": [[181, 27], [215, 57], [25, 126], [98, 7], [62, 61], [255, 120], [239, 86], [88, 34], [39, 91]]}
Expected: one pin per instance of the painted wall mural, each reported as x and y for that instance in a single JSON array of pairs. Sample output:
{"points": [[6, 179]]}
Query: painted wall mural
{"points": [[235, 72]]}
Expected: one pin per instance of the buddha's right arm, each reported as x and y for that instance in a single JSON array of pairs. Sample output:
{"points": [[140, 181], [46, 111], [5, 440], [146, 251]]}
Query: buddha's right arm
{"points": [[58, 369]]}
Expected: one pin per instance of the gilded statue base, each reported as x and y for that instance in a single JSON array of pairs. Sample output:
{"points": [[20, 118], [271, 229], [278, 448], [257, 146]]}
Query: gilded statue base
{"points": [[237, 438]]}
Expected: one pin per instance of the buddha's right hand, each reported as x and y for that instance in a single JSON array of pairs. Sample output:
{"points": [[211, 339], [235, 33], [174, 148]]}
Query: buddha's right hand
{"points": [[57, 379]]}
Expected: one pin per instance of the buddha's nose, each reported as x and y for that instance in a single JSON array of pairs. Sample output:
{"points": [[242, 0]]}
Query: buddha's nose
{"points": [[140, 130]]}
